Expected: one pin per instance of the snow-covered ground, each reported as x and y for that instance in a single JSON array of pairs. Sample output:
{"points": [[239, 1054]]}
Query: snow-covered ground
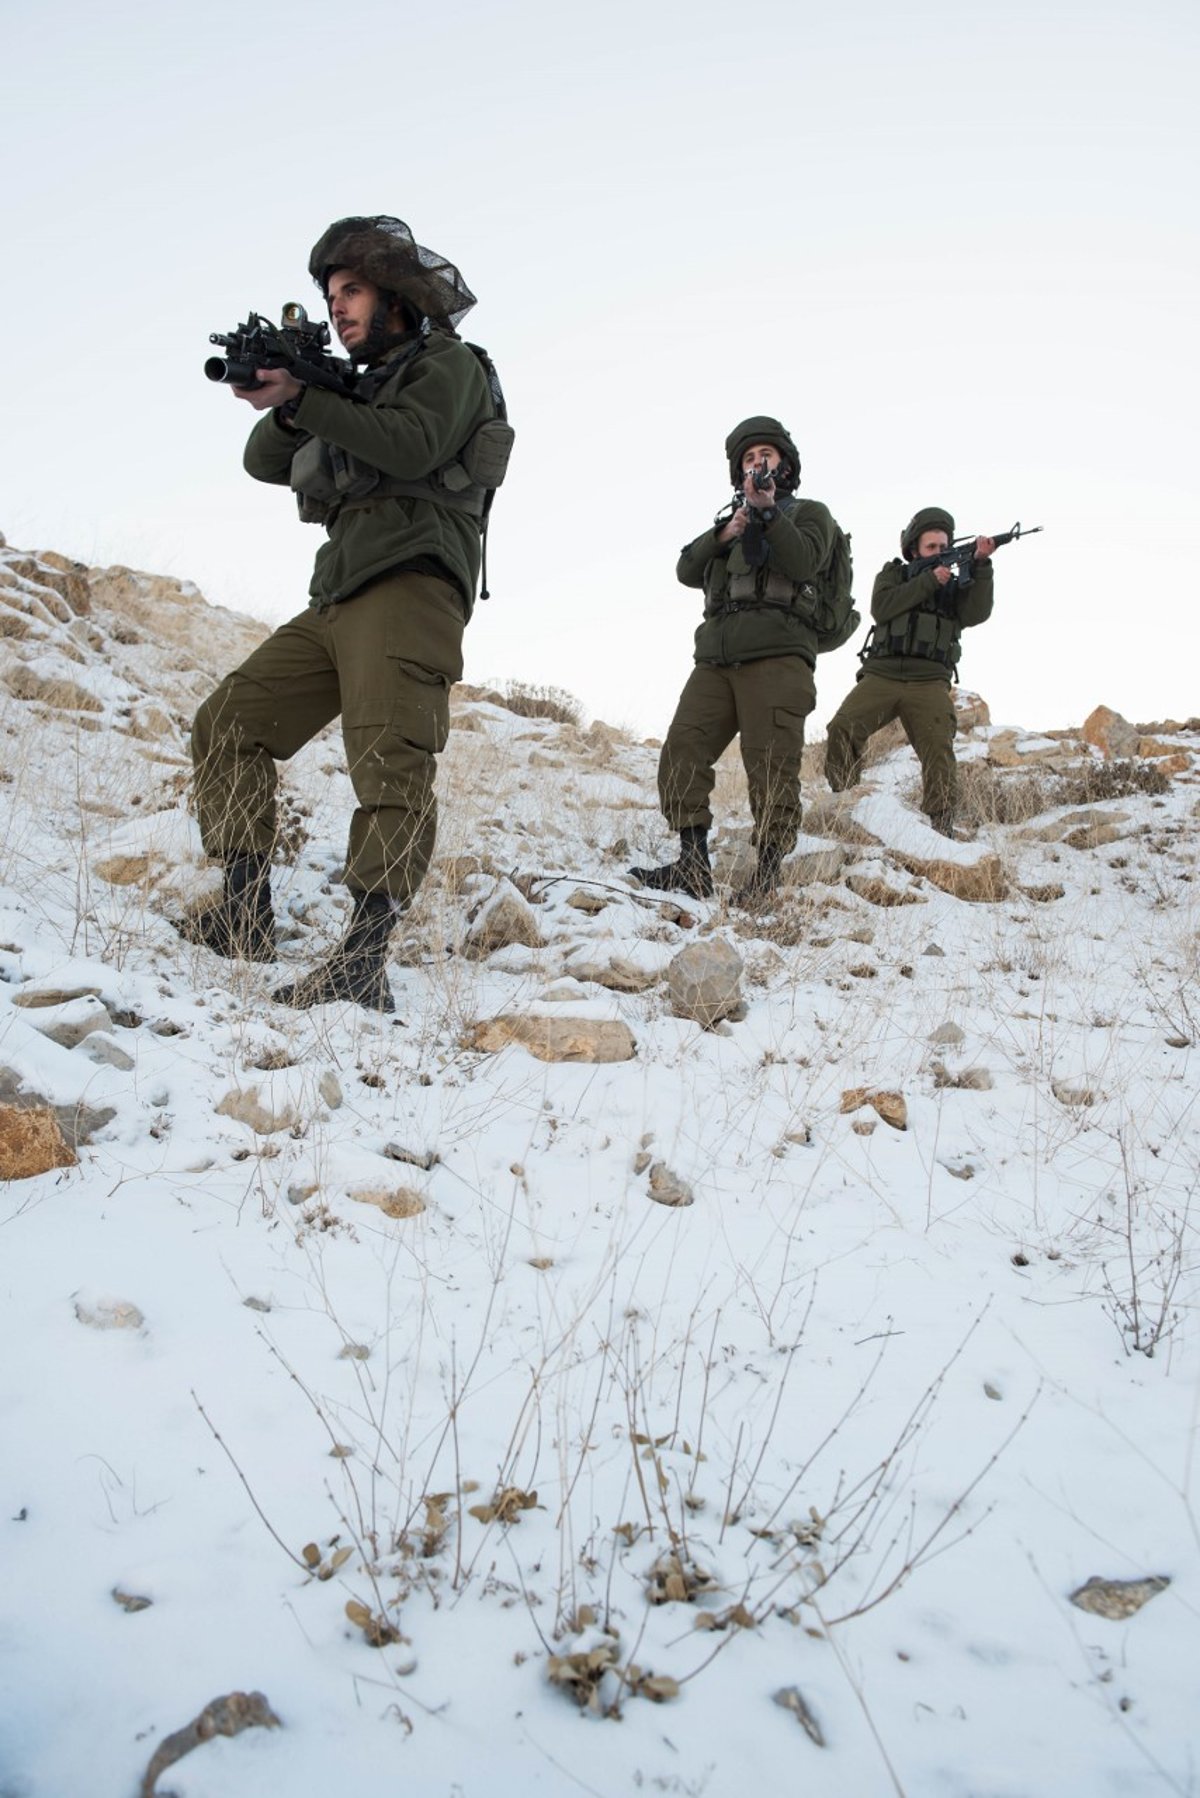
{"points": [[410, 1405]]}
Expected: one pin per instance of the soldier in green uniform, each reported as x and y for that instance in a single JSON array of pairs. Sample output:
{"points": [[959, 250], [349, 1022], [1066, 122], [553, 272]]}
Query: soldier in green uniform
{"points": [[773, 601], [910, 659], [392, 588]]}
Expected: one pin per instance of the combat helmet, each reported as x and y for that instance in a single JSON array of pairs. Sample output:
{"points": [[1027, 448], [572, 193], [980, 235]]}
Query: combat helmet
{"points": [[383, 250], [929, 518], [762, 430]]}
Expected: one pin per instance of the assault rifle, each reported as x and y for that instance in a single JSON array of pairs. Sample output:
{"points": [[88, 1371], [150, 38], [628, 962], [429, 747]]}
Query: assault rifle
{"points": [[295, 344], [961, 554]]}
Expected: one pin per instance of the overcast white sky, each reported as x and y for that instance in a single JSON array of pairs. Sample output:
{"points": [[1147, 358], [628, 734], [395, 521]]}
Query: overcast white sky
{"points": [[953, 247]]}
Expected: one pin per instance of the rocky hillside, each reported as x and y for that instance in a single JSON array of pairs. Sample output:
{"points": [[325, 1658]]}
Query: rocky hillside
{"points": [[684, 1347]]}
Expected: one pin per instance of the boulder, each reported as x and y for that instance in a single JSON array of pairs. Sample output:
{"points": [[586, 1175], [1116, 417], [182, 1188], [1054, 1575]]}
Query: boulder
{"points": [[1113, 735]]}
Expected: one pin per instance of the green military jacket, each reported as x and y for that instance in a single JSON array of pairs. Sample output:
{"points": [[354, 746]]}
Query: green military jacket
{"points": [[414, 423], [781, 609], [918, 623]]}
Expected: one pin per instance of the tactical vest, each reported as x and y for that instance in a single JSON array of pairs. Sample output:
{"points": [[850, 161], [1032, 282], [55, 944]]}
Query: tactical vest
{"points": [[328, 480], [928, 632]]}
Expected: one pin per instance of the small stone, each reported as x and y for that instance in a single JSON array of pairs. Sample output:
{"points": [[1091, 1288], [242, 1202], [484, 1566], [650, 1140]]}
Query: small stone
{"points": [[666, 1188], [253, 1304], [131, 1601], [105, 1049], [108, 1314], [892, 1109], [992, 1391], [330, 1089], [932, 949], [301, 1193], [395, 1201], [248, 1106], [1073, 1093], [948, 1035], [354, 1351], [1118, 1599], [641, 1161], [425, 1159]]}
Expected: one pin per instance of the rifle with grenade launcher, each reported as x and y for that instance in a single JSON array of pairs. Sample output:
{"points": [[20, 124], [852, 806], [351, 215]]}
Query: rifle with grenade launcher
{"points": [[295, 344], [961, 554]]}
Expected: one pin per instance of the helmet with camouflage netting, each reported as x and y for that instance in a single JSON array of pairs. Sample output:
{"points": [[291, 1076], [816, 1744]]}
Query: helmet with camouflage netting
{"points": [[929, 518], [383, 250]]}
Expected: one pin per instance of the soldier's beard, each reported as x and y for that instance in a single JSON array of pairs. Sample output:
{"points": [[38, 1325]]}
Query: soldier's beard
{"points": [[381, 336]]}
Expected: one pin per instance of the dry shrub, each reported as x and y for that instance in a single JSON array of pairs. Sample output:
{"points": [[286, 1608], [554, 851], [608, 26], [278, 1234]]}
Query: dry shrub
{"points": [[1111, 780], [992, 796], [530, 701]]}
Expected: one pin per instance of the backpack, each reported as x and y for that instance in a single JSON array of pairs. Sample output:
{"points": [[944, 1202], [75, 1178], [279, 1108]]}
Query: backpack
{"points": [[839, 618]]}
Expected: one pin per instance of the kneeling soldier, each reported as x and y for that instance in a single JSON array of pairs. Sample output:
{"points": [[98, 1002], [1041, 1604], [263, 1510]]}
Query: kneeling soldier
{"points": [[392, 588], [910, 659], [775, 572]]}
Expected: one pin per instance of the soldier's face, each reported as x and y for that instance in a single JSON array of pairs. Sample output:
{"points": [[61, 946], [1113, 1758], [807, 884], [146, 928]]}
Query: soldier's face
{"points": [[932, 543], [757, 454], [352, 303]]}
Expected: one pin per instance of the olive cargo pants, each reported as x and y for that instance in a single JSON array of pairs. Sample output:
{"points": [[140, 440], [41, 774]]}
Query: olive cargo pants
{"points": [[926, 710], [763, 702], [385, 660]]}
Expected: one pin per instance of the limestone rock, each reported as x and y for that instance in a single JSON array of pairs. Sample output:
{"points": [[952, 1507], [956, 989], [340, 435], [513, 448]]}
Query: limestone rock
{"points": [[249, 1106], [556, 1039], [1109, 732], [34, 998], [948, 1035], [1093, 836], [585, 900], [31, 1142], [503, 920], [1088, 818], [106, 1050], [69, 1023], [1118, 1599], [393, 1201], [610, 969], [1073, 1092], [877, 891], [970, 710], [666, 1188], [705, 981], [832, 815], [330, 1089], [52, 688], [889, 1105], [980, 882], [811, 867], [107, 1314]]}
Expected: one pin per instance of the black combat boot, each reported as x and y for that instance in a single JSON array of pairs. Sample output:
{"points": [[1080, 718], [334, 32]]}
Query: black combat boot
{"points": [[942, 822], [242, 924], [357, 969], [763, 882], [691, 874]]}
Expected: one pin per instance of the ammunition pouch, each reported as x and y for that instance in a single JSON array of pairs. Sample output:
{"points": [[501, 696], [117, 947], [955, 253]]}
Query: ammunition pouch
{"points": [[928, 633], [328, 480]]}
